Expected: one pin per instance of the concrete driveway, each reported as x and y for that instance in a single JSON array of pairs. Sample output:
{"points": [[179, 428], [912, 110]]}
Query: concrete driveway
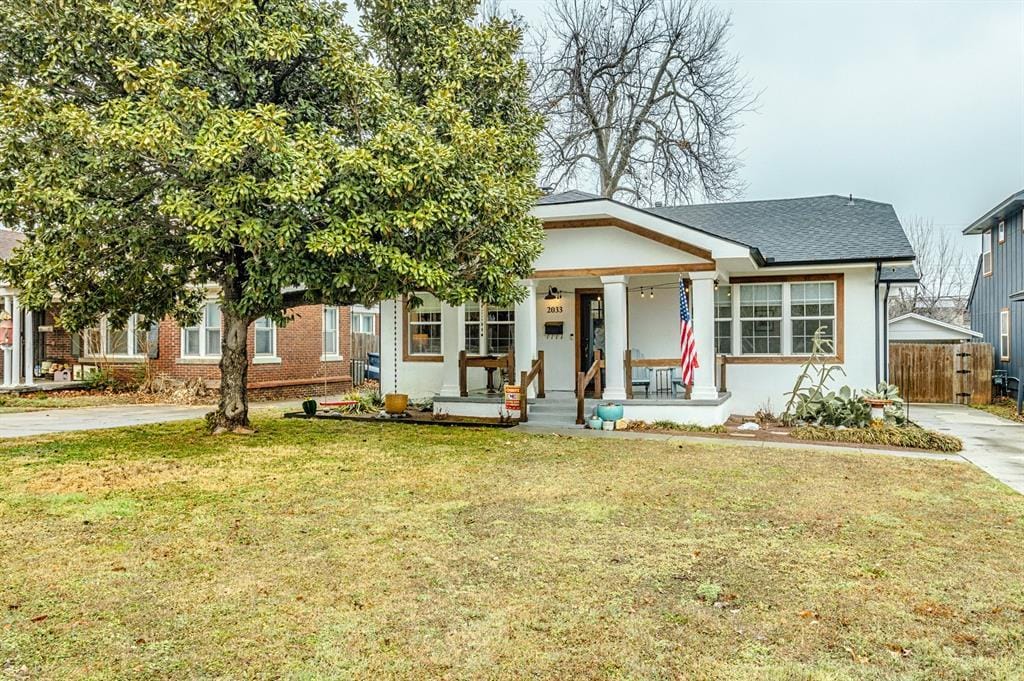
{"points": [[994, 445], [22, 424]]}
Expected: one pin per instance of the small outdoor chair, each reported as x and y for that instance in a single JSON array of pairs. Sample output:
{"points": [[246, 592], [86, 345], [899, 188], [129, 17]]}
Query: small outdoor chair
{"points": [[640, 375]]}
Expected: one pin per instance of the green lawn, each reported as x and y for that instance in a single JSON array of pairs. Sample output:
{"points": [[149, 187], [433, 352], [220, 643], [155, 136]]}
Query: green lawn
{"points": [[340, 550]]}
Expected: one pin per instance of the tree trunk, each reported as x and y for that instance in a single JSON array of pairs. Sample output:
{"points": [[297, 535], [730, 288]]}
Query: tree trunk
{"points": [[233, 411]]}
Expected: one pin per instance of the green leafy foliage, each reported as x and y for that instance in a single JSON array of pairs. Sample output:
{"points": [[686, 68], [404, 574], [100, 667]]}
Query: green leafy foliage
{"points": [[882, 434], [149, 148]]}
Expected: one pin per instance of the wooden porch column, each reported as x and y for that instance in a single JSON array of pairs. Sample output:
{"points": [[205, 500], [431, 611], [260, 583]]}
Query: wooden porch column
{"points": [[703, 306], [526, 331], [615, 336]]}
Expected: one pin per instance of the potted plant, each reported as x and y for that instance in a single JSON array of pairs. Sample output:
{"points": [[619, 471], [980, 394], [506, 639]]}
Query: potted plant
{"points": [[309, 407], [595, 422], [610, 411], [396, 403]]}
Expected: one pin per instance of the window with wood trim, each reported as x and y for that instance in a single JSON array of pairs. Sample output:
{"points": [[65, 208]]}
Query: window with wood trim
{"points": [[424, 327], [723, 320], [986, 253], [812, 306], [761, 319], [1004, 334]]}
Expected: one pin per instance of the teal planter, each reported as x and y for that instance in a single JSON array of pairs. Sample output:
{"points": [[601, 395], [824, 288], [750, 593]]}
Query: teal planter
{"points": [[595, 423], [609, 412]]}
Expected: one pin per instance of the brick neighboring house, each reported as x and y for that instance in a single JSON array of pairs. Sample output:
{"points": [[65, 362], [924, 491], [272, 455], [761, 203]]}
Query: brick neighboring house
{"points": [[310, 356]]}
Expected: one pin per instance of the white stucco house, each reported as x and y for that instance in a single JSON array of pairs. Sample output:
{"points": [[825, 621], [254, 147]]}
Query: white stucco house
{"points": [[761, 277], [916, 328]]}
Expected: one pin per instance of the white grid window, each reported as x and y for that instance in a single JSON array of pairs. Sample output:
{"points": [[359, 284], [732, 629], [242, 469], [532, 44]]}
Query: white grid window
{"points": [[265, 337], [723, 320], [131, 340], [761, 319], [203, 339], [425, 327], [362, 322], [474, 331], [331, 331], [813, 306], [490, 329]]}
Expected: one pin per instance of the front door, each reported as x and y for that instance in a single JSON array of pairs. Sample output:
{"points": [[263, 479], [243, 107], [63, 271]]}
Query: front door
{"points": [[589, 328]]}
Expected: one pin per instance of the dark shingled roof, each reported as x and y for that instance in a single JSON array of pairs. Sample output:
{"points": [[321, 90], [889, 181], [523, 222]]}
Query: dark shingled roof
{"points": [[571, 196], [792, 231], [8, 240], [899, 275], [812, 229]]}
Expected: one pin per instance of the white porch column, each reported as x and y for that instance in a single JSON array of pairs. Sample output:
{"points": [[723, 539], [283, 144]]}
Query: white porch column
{"points": [[30, 355], [8, 372], [453, 340], [17, 351], [526, 333], [703, 307], [615, 336]]}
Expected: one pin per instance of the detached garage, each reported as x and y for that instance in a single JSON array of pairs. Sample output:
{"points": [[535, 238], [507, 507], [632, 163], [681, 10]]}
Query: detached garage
{"points": [[915, 328]]}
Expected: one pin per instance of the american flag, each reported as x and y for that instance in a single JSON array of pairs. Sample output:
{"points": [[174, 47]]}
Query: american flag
{"points": [[687, 345]]}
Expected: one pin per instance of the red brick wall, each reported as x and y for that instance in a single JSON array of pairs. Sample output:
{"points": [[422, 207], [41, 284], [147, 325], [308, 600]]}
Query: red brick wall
{"points": [[299, 347]]}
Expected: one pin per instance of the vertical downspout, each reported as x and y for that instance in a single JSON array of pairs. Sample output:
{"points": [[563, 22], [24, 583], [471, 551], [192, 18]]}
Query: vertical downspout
{"points": [[885, 330], [878, 365]]}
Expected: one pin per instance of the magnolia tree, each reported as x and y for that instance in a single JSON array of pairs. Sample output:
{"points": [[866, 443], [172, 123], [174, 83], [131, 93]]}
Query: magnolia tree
{"points": [[152, 149]]}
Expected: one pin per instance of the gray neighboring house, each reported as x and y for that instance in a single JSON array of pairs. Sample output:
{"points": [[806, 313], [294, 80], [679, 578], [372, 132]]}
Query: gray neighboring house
{"points": [[994, 304]]}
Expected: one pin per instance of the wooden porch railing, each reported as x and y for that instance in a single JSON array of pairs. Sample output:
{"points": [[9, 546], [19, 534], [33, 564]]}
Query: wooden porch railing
{"points": [[506, 362], [525, 379], [720, 370], [584, 379]]}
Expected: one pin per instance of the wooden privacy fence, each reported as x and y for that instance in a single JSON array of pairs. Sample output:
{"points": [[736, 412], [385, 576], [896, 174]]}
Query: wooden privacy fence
{"points": [[947, 373], [363, 344]]}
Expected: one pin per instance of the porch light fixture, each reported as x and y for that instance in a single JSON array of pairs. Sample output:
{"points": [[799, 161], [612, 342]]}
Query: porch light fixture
{"points": [[552, 294]]}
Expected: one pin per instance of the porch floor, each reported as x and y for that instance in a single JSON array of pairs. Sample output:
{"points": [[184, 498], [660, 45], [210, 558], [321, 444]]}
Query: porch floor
{"points": [[41, 385]]}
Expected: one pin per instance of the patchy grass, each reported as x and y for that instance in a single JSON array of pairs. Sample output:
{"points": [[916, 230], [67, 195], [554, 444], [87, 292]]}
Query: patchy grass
{"points": [[673, 426], [336, 549], [1004, 407]]}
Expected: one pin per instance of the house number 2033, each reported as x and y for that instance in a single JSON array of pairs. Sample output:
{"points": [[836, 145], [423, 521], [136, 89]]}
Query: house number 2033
{"points": [[554, 309]]}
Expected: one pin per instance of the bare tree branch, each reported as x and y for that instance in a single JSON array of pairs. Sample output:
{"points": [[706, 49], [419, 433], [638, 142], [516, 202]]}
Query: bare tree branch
{"points": [[641, 93], [945, 270]]}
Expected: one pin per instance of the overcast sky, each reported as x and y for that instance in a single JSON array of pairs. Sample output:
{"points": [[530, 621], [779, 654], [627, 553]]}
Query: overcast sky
{"points": [[918, 104]]}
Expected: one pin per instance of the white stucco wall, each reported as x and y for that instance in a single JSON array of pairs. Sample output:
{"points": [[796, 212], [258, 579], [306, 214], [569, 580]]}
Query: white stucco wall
{"points": [[755, 385], [605, 247]]}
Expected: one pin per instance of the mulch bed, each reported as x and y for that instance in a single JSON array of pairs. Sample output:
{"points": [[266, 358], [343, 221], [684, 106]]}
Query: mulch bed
{"points": [[414, 418]]}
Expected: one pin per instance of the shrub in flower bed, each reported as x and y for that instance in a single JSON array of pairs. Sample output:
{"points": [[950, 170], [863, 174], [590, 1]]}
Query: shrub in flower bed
{"points": [[882, 434], [672, 425]]}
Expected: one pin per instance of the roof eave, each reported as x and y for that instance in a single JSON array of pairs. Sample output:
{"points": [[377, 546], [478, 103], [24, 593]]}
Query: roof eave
{"points": [[1000, 212]]}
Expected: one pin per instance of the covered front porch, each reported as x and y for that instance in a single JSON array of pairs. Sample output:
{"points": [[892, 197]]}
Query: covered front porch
{"points": [[583, 339], [17, 342]]}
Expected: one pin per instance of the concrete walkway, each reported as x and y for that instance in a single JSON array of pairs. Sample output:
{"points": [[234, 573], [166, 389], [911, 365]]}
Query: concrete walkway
{"points": [[993, 444]]}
